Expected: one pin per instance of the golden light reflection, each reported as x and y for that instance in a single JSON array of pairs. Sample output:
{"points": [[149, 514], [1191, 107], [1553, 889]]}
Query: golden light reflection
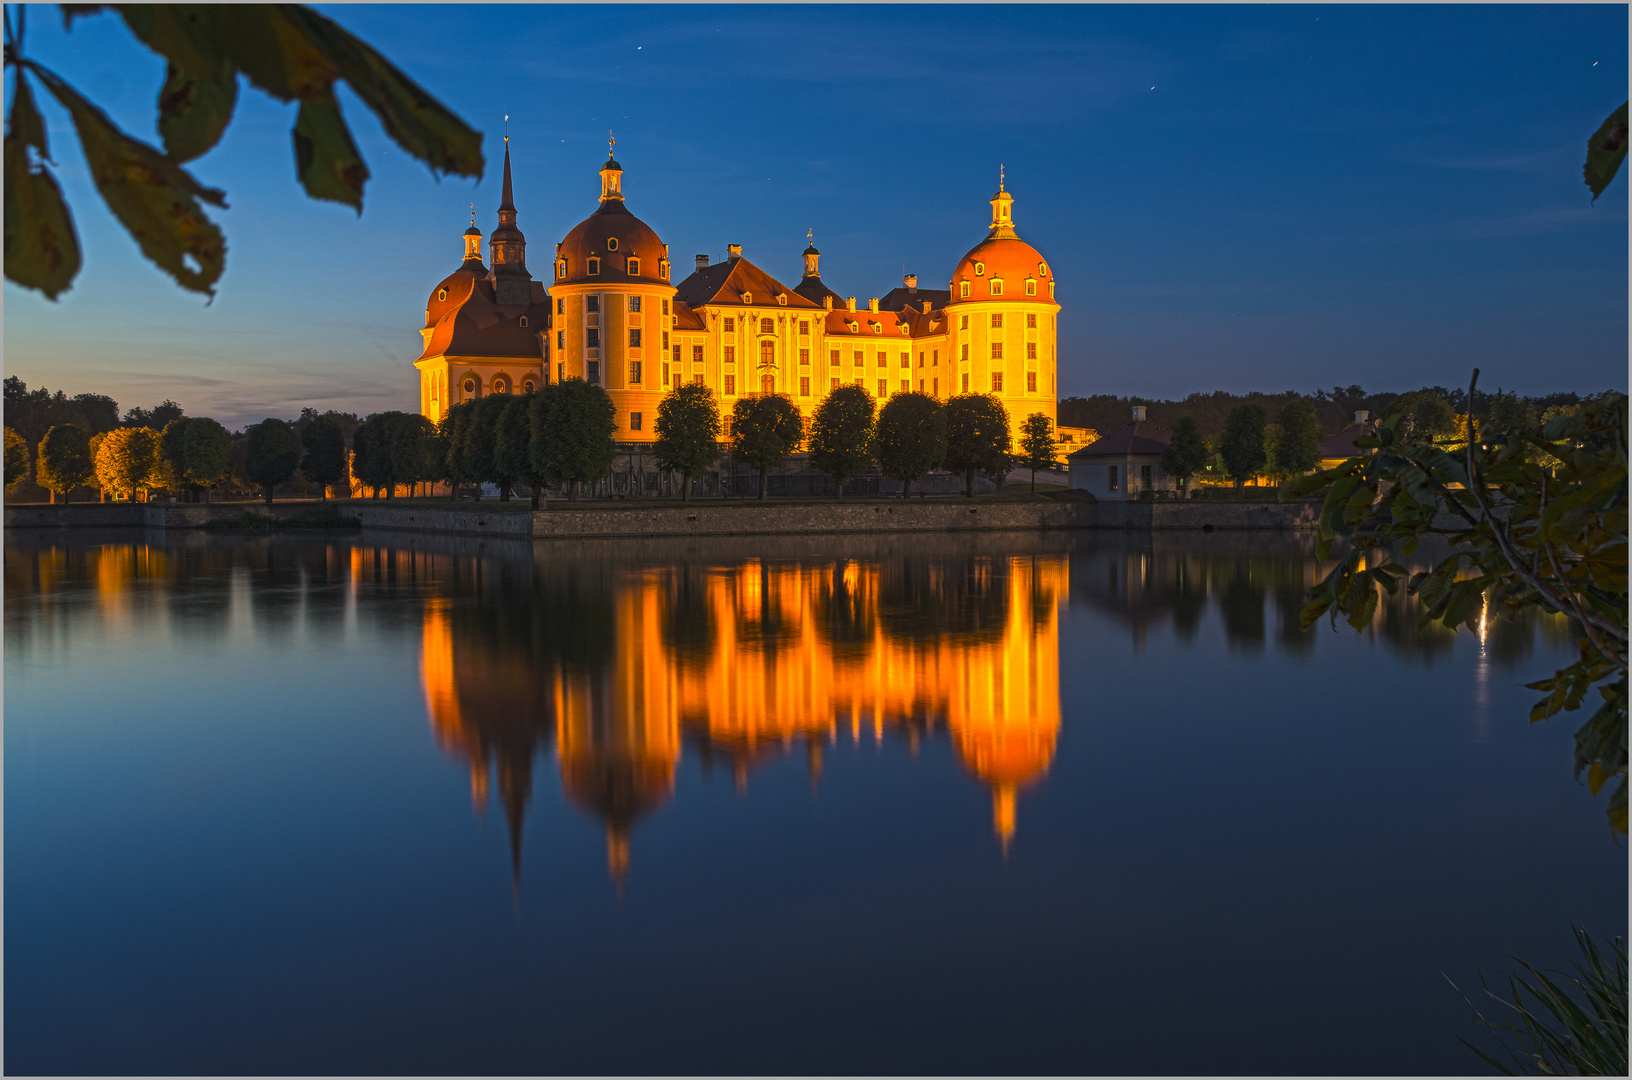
{"points": [[748, 659]]}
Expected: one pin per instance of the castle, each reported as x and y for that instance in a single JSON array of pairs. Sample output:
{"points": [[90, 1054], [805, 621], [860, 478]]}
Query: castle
{"points": [[612, 317]]}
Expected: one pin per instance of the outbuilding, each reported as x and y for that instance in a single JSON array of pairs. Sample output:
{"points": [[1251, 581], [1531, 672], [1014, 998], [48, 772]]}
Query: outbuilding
{"points": [[1124, 463], [1340, 447]]}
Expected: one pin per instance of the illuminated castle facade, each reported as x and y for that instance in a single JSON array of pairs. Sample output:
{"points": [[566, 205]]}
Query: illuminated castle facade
{"points": [[612, 317]]}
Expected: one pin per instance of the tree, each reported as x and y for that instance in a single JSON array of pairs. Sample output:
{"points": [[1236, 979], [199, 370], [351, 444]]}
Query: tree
{"points": [[572, 424], [156, 417], [172, 443], [65, 460], [16, 457], [126, 460], [371, 454], [1426, 417], [764, 431], [206, 454], [688, 433], [274, 453], [1521, 535], [512, 445], [977, 438], [841, 435], [286, 50], [1242, 445], [454, 423], [412, 443], [1186, 453], [481, 443], [324, 459], [1297, 445], [911, 438], [1038, 446]]}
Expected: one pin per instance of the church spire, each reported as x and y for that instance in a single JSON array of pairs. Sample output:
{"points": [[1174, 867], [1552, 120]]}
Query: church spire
{"points": [[512, 284], [506, 199]]}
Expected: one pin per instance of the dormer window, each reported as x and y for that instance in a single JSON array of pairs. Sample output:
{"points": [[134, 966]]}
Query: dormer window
{"points": [[611, 243], [1031, 286], [963, 290], [996, 286], [782, 298], [663, 269], [980, 268], [855, 327], [1051, 290], [634, 267], [441, 294], [878, 328], [747, 298], [594, 266], [561, 268], [523, 322]]}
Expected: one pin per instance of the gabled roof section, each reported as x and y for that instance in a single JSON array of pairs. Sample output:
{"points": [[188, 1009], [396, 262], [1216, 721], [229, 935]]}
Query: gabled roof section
{"points": [[1342, 445], [812, 289], [727, 283], [900, 296], [1134, 437], [687, 319], [864, 326], [479, 327]]}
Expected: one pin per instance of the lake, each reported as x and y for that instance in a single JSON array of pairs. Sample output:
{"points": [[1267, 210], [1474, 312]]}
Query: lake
{"points": [[927, 803]]}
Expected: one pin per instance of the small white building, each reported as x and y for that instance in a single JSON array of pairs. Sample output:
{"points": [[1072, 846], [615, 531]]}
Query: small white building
{"points": [[1125, 462]]}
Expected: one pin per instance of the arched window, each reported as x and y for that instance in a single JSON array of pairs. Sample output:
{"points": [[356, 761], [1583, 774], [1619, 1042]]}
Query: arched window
{"points": [[470, 388], [663, 270], [963, 290], [767, 353], [1031, 287], [524, 321], [527, 386], [501, 385], [594, 267], [634, 267], [561, 268], [996, 285]]}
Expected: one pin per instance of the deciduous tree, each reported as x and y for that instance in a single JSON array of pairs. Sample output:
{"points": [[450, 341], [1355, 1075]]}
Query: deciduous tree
{"points": [[65, 460], [206, 454], [1242, 444], [512, 445], [274, 453], [977, 438], [1186, 453], [126, 459], [841, 435], [17, 461], [911, 438], [323, 460], [1297, 444], [688, 433], [1038, 446], [764, 431], [573, 423]]}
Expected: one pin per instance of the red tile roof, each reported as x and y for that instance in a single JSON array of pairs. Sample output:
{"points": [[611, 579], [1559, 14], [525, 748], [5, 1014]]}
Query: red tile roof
{"points": [[727, 282], [1342, 445], [1134, 437], [469, 323]]}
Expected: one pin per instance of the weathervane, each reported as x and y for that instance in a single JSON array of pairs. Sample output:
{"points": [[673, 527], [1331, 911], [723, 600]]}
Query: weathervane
{"points": [[610, 143], [473, 214], [506, 127], [810, 234], [1000, 176]]}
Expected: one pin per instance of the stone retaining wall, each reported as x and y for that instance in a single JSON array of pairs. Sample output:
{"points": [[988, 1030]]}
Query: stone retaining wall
{"points": [[511, 523], [158, 515], [1206, 514]]}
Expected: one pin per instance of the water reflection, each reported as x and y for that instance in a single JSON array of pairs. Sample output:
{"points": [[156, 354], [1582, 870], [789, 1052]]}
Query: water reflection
{"points": [[620, 666]]}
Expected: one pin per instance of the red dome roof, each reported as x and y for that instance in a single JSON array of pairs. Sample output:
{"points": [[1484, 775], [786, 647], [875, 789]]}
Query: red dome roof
{"points": [[614, 236], [1009, 259]]}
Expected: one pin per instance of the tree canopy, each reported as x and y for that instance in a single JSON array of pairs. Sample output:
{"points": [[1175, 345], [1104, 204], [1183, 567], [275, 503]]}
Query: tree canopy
{"points": [[65, 460], [573, 423], [1038, 446], [977, 438], [841, 435], [1297, 444], [17, 460], [911, 438], [273, 454], [126, 459], [323, 461], [764, 431], [1186, 453], [688, 433], [1242, 444], [206, 453]]}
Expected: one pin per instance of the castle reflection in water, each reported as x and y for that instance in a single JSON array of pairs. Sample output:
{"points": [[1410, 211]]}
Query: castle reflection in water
{"points": [[614, 658], [619, 667]]}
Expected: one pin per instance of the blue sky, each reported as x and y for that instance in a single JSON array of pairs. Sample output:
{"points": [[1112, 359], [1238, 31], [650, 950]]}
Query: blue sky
{"points": [[1232, 198]]}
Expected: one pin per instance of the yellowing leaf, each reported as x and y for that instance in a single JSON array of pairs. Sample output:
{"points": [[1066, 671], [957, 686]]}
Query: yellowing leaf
{"points": [[194, 111], [1605, 152], [326, 160], [41, 250]]}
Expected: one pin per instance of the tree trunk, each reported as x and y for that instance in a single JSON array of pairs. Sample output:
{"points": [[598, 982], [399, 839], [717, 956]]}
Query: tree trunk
{"points": [[269, 494], [1034, 481], [906, 486], [210, 491], [969, 483], [504, 492], [838, 487], [53, 496], [535, 498], [572, 491], [764, 482], [685, 487]]}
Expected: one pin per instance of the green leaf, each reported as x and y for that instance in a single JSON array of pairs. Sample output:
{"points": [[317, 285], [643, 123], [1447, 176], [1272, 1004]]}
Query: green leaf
{"points": [[41, 250], [418, 122], [194, 110], [326, 160], [153, 197], [1605, 152], [25, 123]]}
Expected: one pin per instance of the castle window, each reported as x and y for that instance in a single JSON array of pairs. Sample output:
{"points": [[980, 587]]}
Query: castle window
{"points": [[878, 328], [997, 350], [935, 358], [634, 303], [561, 268], [883, 358], [697, 380], [1051, 290], [858, 358], [634, 373], [528, 386], [804, 386], [634, 267], [782, 298], [730, 325], [561, 372], [1031, 321], [804, 327], [906, 360], [665, 307], [833, 356], [634, 339], [594, 341], [855, 327], [666, 373], [804, 357], [611, 243], [635, 420], [730, 354], [767, 384], [1031, 350], [665, 341], [747, 298], [964, 325], [1031, 382], [834, 383], [997, 322], [560, 339], [766, 326], [697, 353], [730, 384], [1031, 287], [883, 387], [441, 294], [966, 382], [663, 272], [980, 268], [963, 290], [996, 285], [501, 385], [592, 303], [906, 384], [965, 356], [767, 353], [1042, 269], [594, 266], [997, 382], [523, 321], [595, 371]]}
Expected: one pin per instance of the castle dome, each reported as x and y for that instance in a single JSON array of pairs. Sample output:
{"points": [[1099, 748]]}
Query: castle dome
{"points": [[613, 237], [1006, 257]]}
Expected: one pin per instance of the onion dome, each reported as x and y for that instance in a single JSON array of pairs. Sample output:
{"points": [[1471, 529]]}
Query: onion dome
{"points": [[612, 246], [1005, 257]]}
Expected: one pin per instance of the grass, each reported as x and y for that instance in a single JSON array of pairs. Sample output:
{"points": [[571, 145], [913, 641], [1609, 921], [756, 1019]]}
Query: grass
{"points": [[1544, 1029]]}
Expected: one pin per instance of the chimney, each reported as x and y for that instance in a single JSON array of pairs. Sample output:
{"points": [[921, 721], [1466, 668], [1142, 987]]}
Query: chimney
{"points": [[733, 251], [1138, 412], [850, 303], [911, 282], [1362, 416], [872, 303], [926, 307], [702, 262], [827, 302]]}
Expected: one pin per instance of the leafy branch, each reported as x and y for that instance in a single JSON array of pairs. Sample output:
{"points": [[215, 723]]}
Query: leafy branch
{"points": [[285, 50]]}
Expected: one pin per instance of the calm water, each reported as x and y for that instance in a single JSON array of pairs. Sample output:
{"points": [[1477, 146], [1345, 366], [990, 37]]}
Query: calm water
{"points": [[990, 804]]}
